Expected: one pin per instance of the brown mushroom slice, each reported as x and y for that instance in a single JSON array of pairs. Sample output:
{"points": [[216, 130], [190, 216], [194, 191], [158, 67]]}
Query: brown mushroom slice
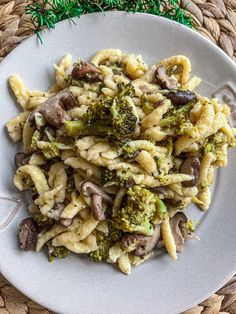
{"points": [[87, 72], [21, 159], [165, 81], [88, 188], [191, 166], [96, 207], [28, 234], [118, 199], [175, 222], [180, 97], [144, 244], [54, 108]]}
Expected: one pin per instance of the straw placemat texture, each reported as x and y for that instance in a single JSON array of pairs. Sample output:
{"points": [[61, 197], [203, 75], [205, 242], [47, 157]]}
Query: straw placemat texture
{"points": [[214, 19]]}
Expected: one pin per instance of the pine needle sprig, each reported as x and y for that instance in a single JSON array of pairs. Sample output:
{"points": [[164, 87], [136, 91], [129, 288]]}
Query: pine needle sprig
{"points": [[46, 13]]}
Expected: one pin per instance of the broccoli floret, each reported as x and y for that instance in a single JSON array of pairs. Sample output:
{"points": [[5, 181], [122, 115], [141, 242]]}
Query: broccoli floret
{"points": [[178, 117], [34, 141], [112, 117], [58, 252], [141, 209], [118, 178], [50, 150], [125, 90], [105, 242], [213, 144], [102, 253], [43, 221], [129, 152]]}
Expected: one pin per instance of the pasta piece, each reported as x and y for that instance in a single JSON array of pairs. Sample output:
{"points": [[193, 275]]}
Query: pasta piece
{"points": [[103, 227], [43, 238], [19, 91], [88, 226], [37, 159], [124, 264], [174, 178], [146, 161], [28, 132], [192, 83], [134, 66], [67, 153], [115, 252], [179, 60], [154, 134], [205, 198], [57, 177], [195, 112], [168, 238], [80, 163], [222, 159], [86, 142], [155, 116], [204, 168], [183, 143], [34, 102], [145, 180], [46, 200], [104, 55], [78, 112], [203, 125], [75, 206], [61, 69], [123, 165], [35, 174], [15, 126], [71, 242]]}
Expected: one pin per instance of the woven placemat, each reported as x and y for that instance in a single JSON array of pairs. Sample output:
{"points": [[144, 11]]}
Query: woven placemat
{"points": [[214, 19]]}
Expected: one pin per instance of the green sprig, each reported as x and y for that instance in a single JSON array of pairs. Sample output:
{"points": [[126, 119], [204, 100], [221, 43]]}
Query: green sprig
{"points": [[46, 13]]}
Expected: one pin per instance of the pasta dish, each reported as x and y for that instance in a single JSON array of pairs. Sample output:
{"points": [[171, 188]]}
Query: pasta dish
{"points": [[113, 154]]}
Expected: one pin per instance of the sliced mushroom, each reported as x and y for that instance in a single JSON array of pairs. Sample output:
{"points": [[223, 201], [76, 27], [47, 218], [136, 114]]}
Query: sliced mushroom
{"points": [[191, 166], [87, 72], [96, 207], [175, 223], [165, 81], [88, 188], [118, 199], [180, 97], [28, 234], [143, 243], [21, 159], [54, 109]]}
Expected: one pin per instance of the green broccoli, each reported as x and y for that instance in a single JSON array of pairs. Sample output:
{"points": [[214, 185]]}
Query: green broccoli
{"points": [[34, 141], [58, 252], [140, 211], [213, 143], [118, 178], [105, 242], [129, 151], [50, 150], [43, 221], [178, 117], [112, 117]]}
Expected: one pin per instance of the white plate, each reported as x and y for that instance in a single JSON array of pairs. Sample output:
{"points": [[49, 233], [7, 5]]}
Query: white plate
{"points": [[160, 285]]}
